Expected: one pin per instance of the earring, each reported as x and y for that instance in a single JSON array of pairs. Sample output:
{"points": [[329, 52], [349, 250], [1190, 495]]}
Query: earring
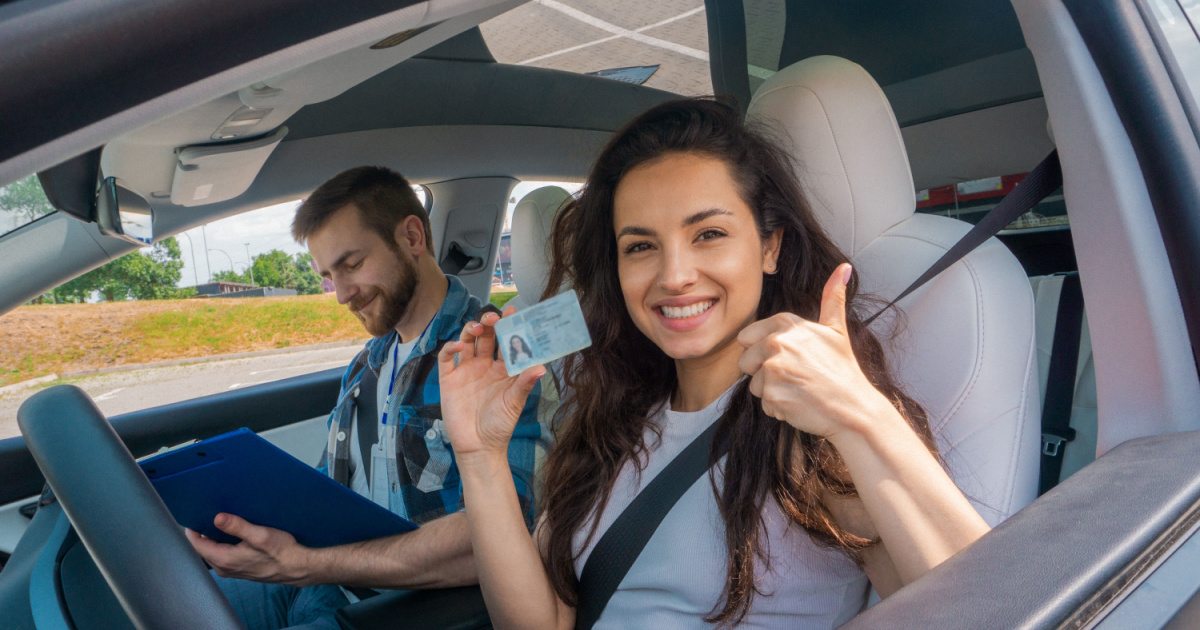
{"points": [[770, 269]]}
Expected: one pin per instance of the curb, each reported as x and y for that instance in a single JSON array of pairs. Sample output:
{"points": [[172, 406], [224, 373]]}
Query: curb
{"points": [[8, 389]]}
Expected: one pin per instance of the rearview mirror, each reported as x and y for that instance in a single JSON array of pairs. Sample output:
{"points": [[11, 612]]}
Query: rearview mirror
{"points": [[123, 213]]}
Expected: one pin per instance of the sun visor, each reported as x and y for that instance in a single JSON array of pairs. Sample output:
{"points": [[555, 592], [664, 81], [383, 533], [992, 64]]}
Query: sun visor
{"points": [[212, 173]]}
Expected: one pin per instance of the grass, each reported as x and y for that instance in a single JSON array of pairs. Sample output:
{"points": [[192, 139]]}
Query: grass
{"points": [[500, 298], [249, 324], [53, 339]]}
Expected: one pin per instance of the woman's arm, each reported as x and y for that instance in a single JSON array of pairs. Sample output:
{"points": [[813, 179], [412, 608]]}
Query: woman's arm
{"points": [[480, 406], [806, 375]]}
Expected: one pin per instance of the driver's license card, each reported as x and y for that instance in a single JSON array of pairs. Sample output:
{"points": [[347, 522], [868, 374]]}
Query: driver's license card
{"points": [[542, 333]]}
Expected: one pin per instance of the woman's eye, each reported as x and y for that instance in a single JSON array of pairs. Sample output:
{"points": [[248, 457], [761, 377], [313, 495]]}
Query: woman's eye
{"points": [[634, 248], [356, 265], [709, 234]]}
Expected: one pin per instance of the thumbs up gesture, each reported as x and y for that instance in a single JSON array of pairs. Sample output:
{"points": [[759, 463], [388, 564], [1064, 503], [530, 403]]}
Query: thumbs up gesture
{"points": [[805, 372]]}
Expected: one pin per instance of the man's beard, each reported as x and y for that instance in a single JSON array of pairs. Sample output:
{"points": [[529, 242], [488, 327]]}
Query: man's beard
{"points": [[393, 301]]}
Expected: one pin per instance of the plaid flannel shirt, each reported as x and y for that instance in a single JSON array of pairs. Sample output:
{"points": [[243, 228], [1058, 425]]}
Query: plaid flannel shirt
{"points": [[424, 483]]}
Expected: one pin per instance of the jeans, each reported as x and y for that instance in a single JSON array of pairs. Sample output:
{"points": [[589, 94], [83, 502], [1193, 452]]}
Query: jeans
{"points": [[264, 606]]}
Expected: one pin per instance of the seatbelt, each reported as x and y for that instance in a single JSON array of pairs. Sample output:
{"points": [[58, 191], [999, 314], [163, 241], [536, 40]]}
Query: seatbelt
{"points": [[1044, 179], [1060, 382], [621, 545]]}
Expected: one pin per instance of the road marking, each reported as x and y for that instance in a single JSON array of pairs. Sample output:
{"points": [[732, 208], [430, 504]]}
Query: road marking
{"points": [[593, 20], [619, 32], [635, 35], [237, 385], [108, 395], [295, 367]]}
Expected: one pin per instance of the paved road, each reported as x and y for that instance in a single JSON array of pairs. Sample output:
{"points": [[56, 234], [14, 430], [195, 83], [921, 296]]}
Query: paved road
{"points": [[122, 392]]}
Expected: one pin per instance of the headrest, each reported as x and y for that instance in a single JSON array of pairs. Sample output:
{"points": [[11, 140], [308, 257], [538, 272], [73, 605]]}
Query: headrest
{"points": [[846, 145], [531, 223]]}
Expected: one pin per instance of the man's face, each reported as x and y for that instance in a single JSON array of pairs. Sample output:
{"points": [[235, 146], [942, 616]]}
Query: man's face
{"points": [[375, 280]]}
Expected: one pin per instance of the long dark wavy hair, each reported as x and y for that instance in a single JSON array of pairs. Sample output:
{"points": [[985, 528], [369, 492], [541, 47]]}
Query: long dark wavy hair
{"points": [[614, 385]]}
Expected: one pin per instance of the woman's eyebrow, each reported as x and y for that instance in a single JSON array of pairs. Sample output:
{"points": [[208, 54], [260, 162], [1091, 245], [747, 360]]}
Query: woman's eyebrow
{"points": [[635, 230], [704, 214]]}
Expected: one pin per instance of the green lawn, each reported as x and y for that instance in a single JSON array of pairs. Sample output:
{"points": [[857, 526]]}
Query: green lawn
{"points": [[500, 298]]}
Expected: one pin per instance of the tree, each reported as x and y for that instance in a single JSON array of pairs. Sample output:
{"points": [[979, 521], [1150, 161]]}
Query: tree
{"points": [[279, 269], [137, 275], [21, 202]]}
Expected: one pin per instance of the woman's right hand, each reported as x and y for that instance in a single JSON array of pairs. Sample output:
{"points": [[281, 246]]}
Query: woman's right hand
{"points": [[481, 403]]}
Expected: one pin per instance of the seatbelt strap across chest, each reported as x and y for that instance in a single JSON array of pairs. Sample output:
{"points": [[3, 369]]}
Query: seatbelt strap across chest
{"points": [[1044, 179], [624, 541]]}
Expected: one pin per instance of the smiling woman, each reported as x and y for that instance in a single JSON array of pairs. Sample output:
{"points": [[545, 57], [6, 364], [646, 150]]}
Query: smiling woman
{"points": [[757, 360]]}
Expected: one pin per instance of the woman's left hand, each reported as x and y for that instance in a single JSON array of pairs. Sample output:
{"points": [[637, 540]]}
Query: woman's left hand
{"points": [[806, 373]]}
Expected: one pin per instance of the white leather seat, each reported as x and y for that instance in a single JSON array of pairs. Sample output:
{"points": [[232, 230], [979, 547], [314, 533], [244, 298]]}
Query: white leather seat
{"points": [[965, 346], [1084, 414], [531, 223]]}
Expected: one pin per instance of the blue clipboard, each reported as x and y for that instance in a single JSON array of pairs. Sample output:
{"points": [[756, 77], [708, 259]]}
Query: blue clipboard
{"points": [[243, 474]]}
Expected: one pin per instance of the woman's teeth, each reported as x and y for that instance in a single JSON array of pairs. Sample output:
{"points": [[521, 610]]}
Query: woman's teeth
{"points": [[684, 312]]}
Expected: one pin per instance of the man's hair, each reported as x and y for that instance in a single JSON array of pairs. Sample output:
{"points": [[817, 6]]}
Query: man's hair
{"points": [[383, 198]]}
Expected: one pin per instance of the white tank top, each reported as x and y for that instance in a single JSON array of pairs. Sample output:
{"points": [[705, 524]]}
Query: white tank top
{"points": [[680, 575]]}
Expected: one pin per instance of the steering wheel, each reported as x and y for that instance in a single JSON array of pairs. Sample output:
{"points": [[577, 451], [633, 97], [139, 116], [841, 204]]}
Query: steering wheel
{"points": [[152, 569]]}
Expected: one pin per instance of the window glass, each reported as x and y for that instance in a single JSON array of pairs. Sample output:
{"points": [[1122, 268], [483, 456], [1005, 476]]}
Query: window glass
{"points": [[217, 308], [504, 286], [662, 44], [1180, 24], [970, 201], [21, 203]]}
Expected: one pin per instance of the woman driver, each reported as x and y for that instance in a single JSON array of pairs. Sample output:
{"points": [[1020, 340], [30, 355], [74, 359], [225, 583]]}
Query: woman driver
{"points": [[715, 258]]}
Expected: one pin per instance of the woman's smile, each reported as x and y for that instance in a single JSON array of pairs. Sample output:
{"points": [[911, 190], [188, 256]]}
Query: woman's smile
{"points": [[684, 316]]}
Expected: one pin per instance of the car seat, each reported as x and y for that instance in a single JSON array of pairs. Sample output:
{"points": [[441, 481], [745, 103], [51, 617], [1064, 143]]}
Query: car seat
{"points": [[530, 242], [963, 344]]}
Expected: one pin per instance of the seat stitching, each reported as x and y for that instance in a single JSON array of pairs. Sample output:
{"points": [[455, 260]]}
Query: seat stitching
{"points": [[978, 345], [1022, 424]]}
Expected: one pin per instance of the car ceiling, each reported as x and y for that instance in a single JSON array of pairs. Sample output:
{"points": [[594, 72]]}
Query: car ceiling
{"points": [[438, 106]]}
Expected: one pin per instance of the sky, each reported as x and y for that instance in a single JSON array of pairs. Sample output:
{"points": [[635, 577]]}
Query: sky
{"points": [[262, 230]]}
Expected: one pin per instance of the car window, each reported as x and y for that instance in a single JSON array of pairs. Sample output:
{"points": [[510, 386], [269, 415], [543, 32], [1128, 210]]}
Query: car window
{"points": [[504, 286], [232, 304], [662, 45], [21, 203], [1179, 21], [970, 201]]}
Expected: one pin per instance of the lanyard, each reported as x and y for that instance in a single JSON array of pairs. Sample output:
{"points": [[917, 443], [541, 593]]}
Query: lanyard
{"points": [[396, 369], [392, 381]]}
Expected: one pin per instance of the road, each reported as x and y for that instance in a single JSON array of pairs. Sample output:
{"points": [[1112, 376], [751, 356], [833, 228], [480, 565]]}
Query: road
{"points": [[122, 392]]}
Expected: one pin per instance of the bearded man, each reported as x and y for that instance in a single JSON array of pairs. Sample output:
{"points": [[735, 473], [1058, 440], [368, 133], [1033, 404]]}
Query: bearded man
{"points": [[370, 236]]}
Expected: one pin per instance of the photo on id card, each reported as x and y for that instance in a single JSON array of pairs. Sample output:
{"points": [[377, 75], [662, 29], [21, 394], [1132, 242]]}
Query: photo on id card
{"points": [[542, 333]]}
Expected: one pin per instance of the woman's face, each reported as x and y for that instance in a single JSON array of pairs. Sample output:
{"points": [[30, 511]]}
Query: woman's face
{"points": [[514, 344], [689, 256]]}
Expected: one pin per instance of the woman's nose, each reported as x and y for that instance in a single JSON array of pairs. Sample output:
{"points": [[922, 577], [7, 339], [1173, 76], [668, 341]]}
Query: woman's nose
{"points": [[678, 271]]}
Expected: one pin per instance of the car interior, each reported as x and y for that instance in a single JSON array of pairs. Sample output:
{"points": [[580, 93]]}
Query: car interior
{"points": [[907, 123]]}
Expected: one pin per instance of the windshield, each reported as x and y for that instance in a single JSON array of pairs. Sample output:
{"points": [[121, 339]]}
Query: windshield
{"points": [[21, 203]]}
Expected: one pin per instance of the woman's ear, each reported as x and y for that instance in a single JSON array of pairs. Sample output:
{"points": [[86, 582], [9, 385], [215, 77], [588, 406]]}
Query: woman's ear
{"points": [[771, 251]]}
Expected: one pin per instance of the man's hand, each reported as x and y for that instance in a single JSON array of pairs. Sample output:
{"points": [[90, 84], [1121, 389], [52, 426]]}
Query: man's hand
{"points": [[264, 555]]}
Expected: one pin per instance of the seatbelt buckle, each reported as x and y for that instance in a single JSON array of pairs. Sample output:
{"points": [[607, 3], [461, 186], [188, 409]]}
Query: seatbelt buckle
{"points": [[1052, 442]]}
